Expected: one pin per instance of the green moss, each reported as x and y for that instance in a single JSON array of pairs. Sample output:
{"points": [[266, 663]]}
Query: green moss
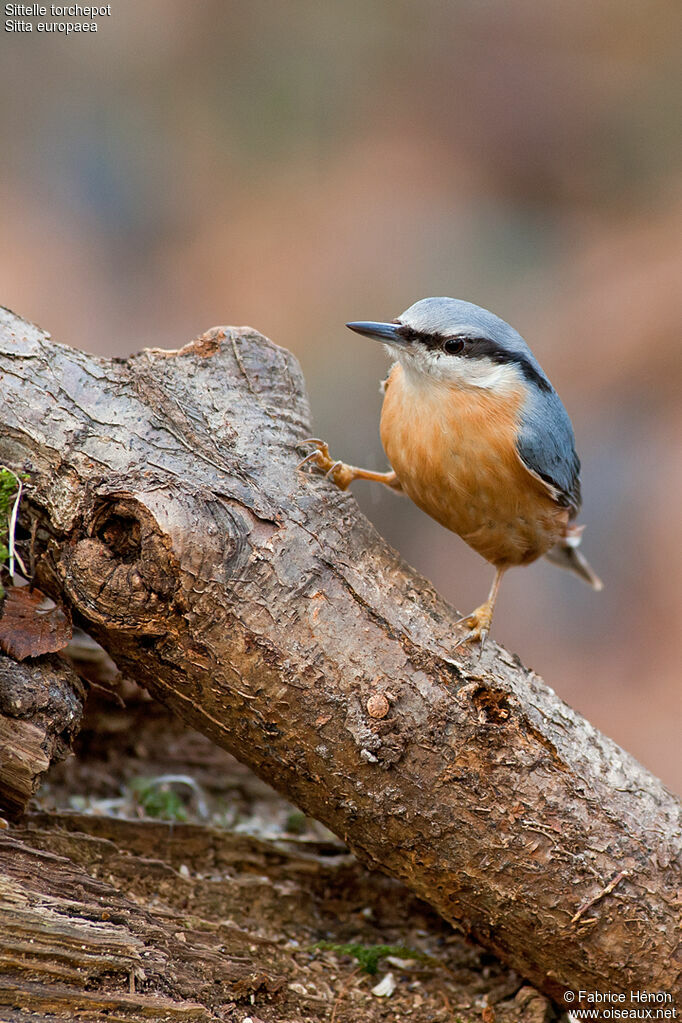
{"points": [[369, 956], [160, 801], [9, 485], [296, 822], [8, 488], [8, 491]]}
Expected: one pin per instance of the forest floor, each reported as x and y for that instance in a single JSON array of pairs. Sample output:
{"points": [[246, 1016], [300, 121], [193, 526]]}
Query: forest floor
{"points": [[198, 838]]}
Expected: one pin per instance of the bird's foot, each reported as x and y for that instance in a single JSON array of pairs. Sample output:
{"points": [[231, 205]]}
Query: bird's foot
{"points": [[338, 472], [478, 623]]}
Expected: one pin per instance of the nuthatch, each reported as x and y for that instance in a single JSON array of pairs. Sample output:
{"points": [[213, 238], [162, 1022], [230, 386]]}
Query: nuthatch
{"points": [[478, 438]]}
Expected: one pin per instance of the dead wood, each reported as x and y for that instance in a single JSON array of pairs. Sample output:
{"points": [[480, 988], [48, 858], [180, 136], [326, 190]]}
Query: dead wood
{"points": [[105, 919], [41, 703], [261, 607]]}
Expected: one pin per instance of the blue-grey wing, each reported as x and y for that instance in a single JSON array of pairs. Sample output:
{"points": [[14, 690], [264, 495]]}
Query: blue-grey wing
{"points": [[547, 447]]}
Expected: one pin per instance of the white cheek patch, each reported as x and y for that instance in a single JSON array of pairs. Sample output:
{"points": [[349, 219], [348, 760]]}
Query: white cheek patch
{"points": [[459, 371], [484, 373]]}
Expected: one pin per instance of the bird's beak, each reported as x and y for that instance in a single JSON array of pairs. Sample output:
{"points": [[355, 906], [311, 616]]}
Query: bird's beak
{"points": [[385, 332]]}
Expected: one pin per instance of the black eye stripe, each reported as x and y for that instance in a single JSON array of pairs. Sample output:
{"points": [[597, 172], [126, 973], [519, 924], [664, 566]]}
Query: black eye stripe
{"points": [[477, 348], [435, 341]]}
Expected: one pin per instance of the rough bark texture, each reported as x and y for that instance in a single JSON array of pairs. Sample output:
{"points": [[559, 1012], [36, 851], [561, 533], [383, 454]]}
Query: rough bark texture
{"points": [[262, 607], [41, 704]]}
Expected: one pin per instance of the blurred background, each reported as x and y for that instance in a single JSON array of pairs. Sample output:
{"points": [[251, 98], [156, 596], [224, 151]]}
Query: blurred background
{"points": [[293, 166]]}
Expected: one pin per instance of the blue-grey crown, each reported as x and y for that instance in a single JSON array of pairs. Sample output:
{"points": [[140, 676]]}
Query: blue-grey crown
{"points": [[453, 317]]}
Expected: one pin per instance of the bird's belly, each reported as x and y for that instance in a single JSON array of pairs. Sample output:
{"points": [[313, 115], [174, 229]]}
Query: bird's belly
{"points": [[454, 452]]}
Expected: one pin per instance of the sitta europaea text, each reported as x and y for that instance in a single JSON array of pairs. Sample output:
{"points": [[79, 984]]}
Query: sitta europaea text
{"points": [[478, 438]]}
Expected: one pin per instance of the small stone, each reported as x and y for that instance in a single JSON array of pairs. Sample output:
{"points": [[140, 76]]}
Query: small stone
{"points": [[378, 706], [368, 756], [535, 1008], [525, 994], [385, 987]]}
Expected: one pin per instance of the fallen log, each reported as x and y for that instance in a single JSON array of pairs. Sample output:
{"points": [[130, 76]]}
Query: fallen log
{"points": [[165, 509], [106, 919], [41, 704]]}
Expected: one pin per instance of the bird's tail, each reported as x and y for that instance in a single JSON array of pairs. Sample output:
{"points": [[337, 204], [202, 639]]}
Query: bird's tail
{"points": [[566, 555]]}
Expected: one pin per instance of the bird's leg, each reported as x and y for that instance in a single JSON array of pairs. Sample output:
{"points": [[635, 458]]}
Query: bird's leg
{"points": [[340, 473], [480, 619]]}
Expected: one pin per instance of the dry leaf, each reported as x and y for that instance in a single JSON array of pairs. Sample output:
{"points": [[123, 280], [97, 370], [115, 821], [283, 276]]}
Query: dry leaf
{"points": [[32, 624]]}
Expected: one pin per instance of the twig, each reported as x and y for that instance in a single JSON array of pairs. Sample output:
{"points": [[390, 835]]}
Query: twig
{"points": [[600, 895], [13, 552]]}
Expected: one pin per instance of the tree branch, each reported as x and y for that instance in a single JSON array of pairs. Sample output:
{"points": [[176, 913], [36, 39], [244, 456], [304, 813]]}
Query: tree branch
{"points": [[265, 610]]}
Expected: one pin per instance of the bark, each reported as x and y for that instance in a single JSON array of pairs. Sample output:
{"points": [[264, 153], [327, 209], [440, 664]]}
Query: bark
{"points": [[261, 607], [41, 705]]}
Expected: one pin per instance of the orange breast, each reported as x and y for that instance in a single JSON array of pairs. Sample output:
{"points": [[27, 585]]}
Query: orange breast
{"points": [[454, 452]]}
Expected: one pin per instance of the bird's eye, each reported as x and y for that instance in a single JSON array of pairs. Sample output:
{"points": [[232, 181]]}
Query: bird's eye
{"points": [[453, 345]]}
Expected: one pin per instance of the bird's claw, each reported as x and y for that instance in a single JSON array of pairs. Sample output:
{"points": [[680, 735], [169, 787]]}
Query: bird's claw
{"points": [[319, 455], [308, 458], [338, 472], [311, 440], [479, 627]]}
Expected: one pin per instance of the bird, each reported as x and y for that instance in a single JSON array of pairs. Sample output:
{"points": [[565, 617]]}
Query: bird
{"points": [[478, 438]]}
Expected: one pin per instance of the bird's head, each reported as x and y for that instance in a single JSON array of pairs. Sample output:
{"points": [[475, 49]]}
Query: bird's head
{"points": [[457, 343]]}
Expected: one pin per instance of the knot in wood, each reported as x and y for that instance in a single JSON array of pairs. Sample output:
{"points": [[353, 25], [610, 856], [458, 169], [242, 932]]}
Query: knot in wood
{"points": [[121, 533], [121, 573]]}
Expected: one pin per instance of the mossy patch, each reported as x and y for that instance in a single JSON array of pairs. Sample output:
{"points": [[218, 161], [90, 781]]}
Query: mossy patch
{"points": [[369, 956]]}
